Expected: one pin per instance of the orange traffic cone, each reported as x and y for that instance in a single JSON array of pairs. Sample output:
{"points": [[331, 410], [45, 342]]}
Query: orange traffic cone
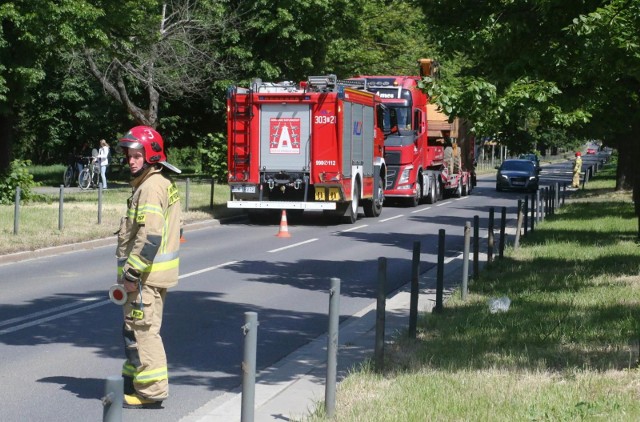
{"points": [[284, 230], [182, 239]]}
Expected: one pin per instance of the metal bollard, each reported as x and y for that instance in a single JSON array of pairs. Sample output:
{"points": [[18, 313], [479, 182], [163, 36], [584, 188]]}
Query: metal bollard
{"points": [[250, 331], [100, 204], [476, 246], [490, 236], [440, 274], [186, 195], [465, 261], [503, 225], [556, 191], [538, 205], [380, 314], [332, 348], [16, 212], [212, 192], [61, 209], [525, 215], [415, 290], [113, 398], [518, 225]]}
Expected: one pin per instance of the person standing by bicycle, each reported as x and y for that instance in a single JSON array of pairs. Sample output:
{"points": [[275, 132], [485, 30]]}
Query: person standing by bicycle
{"points": [[103, 161], [148, 265]]}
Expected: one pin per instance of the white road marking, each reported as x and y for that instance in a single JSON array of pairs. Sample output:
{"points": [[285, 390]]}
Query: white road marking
{"points": [[391, 218], [292, 246]]}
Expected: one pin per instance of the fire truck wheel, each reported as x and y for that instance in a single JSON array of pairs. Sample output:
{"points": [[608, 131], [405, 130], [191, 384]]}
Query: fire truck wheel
{"points": [[373, 207], [351, 215], [465, 188]]}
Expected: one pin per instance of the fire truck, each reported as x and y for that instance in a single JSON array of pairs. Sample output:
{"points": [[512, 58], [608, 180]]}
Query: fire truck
{"points": [[316, 145], [414, 150]]}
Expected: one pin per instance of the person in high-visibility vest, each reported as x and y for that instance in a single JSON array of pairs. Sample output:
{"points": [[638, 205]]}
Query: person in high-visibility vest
{"points": [[147, 254], [577, 168]]}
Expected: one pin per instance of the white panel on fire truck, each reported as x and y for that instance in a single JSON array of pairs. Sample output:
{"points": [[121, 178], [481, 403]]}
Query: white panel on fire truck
{"points": [[346, 138], [368, 134], [285, 133], [357, 126]]}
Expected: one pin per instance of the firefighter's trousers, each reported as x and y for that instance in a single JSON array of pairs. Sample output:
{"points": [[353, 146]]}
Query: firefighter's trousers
{"points": [[145, 370], [576, 179]]}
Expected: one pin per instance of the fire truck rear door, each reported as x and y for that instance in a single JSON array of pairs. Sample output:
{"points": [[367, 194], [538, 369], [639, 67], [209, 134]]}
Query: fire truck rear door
{"points": [[285, 133]]}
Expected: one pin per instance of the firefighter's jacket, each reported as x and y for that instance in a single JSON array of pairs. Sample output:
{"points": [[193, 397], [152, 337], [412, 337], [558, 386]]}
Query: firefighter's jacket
{"points": [[149, 236], [577, 165]]}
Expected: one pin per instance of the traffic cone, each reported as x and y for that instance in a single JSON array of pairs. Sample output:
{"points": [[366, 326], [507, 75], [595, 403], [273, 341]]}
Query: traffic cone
{"points": [[284, 230], [182, 239]]}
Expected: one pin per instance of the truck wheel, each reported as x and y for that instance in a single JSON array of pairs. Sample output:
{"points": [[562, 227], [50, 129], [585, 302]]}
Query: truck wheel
{"points": [[432, 198], [414, 201], [458, 192], [465, 188], [351, 216], [373, 207]]}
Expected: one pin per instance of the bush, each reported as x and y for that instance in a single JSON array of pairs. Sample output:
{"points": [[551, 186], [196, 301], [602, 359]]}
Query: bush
{"points": [[214, 156], [17, 176]]}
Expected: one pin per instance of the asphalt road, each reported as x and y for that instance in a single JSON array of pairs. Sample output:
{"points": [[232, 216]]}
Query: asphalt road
{"points": [[60, 336]]}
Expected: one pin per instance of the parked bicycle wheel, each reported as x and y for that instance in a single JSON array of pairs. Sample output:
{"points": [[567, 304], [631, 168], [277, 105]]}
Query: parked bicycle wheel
{"points": [[84, 181], [68, 176]]}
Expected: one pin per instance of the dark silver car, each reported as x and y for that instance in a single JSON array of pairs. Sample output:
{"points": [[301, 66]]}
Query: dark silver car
{"points": [[517, 175]]}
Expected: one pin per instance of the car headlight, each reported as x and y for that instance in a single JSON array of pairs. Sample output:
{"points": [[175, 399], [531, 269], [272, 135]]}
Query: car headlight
{"points": [[503, 177]]}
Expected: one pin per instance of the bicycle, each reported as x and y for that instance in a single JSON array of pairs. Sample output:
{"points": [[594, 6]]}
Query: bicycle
{"points": [[72, 173], [90, 174]]}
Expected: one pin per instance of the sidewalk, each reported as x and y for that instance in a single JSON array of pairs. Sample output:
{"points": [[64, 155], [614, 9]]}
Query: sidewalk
{"points": [[293, 400]]}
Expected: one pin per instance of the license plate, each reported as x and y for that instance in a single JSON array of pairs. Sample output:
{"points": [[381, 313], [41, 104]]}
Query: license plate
{"points": [[243, 189], [516, 183]]}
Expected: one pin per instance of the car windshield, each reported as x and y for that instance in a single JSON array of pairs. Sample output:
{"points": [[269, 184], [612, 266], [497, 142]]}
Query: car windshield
{"points": [[517, 165]]}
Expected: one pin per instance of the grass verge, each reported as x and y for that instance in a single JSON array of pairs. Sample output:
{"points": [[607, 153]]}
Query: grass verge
{"points": [[567, 349]]}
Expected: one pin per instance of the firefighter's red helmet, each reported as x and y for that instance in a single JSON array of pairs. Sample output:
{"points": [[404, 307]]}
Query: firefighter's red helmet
{"points": [[578, 154], [148, 139]]}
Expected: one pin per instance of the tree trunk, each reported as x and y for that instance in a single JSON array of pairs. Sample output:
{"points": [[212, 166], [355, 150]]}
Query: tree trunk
{"points": [[6, 140]]}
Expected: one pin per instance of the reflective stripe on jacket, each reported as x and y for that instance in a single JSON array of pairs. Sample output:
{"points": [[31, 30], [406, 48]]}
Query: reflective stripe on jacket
{"points": [[149, 236]]}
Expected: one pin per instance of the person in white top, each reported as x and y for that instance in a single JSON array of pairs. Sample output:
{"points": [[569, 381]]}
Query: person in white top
{"points": [[103, 160]]}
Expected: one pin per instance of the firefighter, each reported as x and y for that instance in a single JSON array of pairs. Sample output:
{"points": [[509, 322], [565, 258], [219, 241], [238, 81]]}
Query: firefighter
{"points": [[577, 167], [147, 255]]}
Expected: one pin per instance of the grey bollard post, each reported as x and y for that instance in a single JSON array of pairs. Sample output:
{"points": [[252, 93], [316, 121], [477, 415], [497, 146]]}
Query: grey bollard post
{"points": [[503, 225], [415, 290], [440, 274], [564, 192], [113, 398], [100, 204], [186, 195], [250, 330], [61, 209], [533, 211], [332, 348], [516, 243], [538, 202], [16, 212], [380, 315], [476, 246], [490, 236], [525, 215], [465, 261], [556, 191], [213, 185]]}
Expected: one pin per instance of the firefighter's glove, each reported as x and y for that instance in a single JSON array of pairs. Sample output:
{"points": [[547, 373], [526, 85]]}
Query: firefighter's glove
{"points": [[132, 276]]}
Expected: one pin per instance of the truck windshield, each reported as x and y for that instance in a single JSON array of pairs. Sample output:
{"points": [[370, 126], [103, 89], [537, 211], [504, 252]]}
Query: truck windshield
{"points": [[396, 117]]}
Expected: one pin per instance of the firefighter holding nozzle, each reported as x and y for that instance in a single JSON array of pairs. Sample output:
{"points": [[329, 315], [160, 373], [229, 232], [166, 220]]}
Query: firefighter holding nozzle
{"points": [[147, 255]]}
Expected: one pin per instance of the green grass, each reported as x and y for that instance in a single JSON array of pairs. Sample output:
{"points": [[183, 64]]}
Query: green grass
{"points": [[38, 225], [567, 349]]}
